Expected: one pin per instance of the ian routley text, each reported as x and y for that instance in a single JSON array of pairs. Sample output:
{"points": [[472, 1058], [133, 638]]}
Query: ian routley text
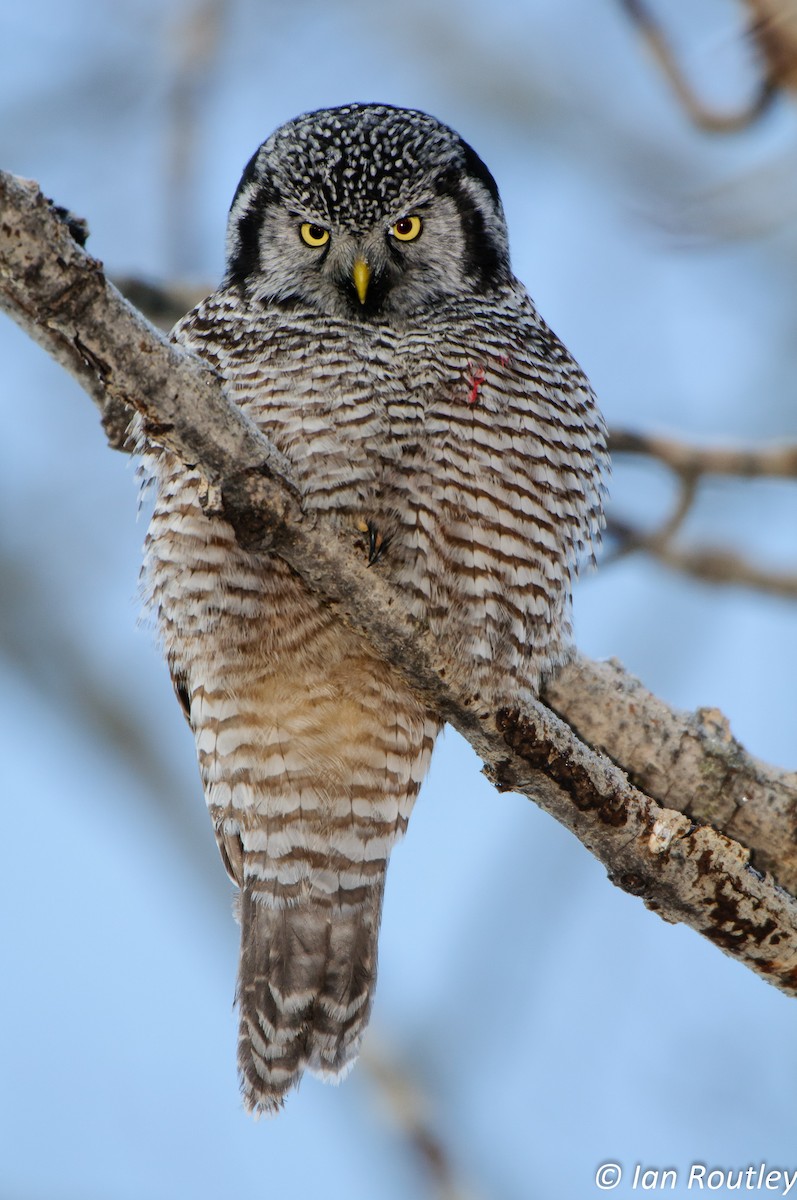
{"points": [[757, 1177]]}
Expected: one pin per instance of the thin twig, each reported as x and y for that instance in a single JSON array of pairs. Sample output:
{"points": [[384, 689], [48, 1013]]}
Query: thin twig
{"points": [[195, 42], [777, 461], [410, 1111], [691, 464], [708, 563]]}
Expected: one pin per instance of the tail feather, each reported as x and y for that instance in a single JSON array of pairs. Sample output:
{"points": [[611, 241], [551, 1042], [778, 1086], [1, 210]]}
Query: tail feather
{"points": [[305, 988]]}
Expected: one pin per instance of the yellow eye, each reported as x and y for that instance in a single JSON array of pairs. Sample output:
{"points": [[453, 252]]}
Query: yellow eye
{"points": [[407, 229], [314, 235]]}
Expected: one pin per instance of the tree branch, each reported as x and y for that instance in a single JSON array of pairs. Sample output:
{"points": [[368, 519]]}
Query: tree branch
{"points": [[712, 564], [410, 1110], [683, 868], [691, 464], [775, 461], [697, 110], [686, 761]]}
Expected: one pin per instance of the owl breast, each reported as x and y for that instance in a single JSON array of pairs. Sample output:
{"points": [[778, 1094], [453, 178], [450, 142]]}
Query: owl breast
{"points": [[472, 462]]}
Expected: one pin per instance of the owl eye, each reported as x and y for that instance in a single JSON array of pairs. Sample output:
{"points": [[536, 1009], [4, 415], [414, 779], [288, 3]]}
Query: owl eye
{"points": [[314, 235], [407, 229]]}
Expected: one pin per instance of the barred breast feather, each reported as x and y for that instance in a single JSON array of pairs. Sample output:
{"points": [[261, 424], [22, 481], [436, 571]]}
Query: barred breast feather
{"points": [[472, 443]]}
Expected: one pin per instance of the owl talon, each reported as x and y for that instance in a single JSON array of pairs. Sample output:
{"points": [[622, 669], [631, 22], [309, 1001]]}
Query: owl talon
{"points": [[376, 542]]}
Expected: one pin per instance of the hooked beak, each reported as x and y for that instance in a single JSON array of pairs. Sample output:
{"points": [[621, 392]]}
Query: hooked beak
{"points": [[361, 273]]}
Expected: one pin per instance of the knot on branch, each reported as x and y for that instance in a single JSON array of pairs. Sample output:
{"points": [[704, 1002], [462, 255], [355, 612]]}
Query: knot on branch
{"points": [[259, 512], [78, 226], [632, 882]]}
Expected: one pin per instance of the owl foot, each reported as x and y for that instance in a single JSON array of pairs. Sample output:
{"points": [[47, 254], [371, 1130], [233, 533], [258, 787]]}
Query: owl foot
{"points": [[376, 543]]}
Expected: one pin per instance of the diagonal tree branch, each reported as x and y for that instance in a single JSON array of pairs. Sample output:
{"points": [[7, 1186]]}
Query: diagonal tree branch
{"points": [[687, 761], [663, 850]]}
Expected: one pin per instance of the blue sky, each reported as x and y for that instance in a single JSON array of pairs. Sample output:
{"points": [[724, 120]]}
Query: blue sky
{"points": [[549, 1021]]}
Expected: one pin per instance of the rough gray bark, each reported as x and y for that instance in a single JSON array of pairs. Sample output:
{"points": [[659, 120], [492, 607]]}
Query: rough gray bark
{"points": [[686, 761], [658, 843]]}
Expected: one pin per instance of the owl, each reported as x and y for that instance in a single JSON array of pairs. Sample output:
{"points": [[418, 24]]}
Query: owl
{"points": [[369, 323]]}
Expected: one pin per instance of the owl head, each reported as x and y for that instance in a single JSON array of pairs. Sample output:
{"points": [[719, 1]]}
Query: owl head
{"points": [[366, 212]]}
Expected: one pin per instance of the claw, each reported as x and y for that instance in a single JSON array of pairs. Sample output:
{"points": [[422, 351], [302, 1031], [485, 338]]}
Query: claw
{"points": [[376, 543]]}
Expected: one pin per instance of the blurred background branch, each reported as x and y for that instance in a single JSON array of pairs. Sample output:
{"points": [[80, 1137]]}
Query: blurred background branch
{"points": [[196, 45], [772, 29], [692, 465], [691, 461], [410, 1111]]}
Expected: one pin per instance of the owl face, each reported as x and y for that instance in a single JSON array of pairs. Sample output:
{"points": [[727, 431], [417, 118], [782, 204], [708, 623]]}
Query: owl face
{"points": [[366, 212]]}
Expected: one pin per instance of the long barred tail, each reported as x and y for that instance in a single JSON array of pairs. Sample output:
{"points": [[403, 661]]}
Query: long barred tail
{"points": [[305, 988]]}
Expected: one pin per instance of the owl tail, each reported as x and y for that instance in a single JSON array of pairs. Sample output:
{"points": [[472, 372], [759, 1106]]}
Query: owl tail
{"points": [[305, 988]]}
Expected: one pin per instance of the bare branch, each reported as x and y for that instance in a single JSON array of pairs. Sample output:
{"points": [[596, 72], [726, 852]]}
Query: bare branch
{"points": [[160, 304], [696, 109], [685, 870], [687, 761], [709, 563], [410, 1110], [691, 464], [777, 461]]}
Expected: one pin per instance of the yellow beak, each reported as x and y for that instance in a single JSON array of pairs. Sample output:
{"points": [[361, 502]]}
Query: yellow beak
{"points": [[362, 277]]}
